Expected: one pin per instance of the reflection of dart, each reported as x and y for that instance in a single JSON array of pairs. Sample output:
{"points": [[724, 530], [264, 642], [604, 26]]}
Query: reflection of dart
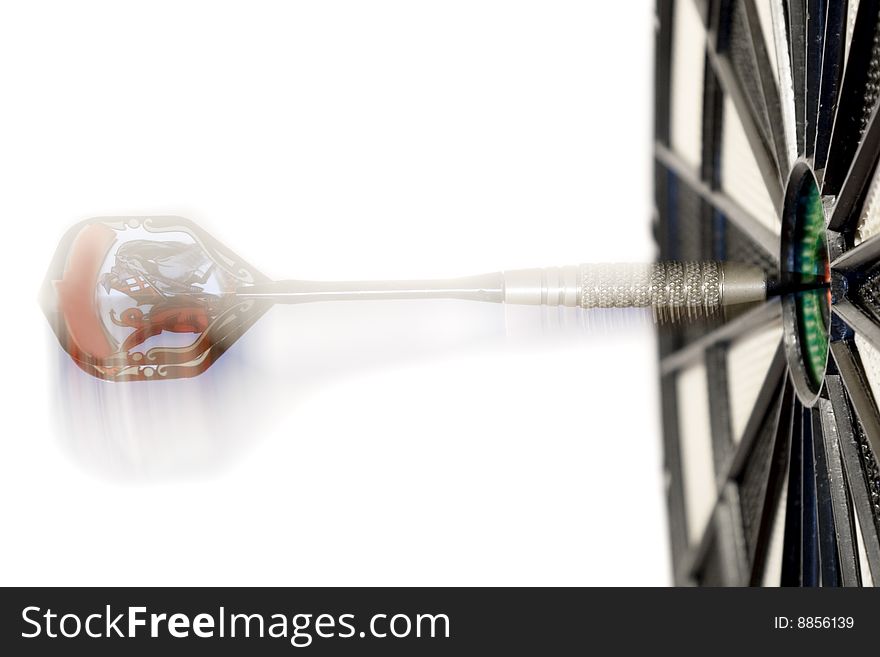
{"points": [[134, 298]]}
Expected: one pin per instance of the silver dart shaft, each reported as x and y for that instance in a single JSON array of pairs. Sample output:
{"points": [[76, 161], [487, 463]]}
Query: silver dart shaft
{"points": [[673, 290]]}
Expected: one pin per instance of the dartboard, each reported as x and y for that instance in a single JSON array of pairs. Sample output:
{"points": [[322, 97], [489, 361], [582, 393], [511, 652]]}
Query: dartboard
{"points": [[766, 147]]}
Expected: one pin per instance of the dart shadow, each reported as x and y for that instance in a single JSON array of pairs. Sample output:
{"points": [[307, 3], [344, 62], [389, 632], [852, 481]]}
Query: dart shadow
{"points": [[187, 428]]}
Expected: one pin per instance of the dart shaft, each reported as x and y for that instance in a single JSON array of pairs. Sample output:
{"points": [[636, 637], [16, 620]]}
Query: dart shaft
{"points": [[485, 287], [673, 290]]}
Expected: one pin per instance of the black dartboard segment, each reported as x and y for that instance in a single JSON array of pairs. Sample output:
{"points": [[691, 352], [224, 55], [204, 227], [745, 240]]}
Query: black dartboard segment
{"points": [[766, 149]]}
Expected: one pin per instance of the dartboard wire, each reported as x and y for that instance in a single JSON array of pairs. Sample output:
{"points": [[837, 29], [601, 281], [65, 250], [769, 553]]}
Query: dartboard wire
{"points": [[672, 462], [855, 476], [779, 20], [762, 69], [758, 317], [754, 119], [863, 255], [776, 477], [841, 507], [858, 321], [865, 415], [663, 69], [719, 397], [856, 93], [797, 52], [829, 558], [811, 573], [792, 552], [767, 397], [852, 375], [814, 40], [848, 202], [833, 51], [756, 231], [728, 527], [766, 406]]}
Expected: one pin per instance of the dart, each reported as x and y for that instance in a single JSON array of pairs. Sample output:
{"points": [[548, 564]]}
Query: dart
{"points": [[149, 298]]}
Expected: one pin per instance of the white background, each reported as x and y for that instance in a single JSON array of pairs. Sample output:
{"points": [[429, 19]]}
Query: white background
{"points": [[410, 443]]}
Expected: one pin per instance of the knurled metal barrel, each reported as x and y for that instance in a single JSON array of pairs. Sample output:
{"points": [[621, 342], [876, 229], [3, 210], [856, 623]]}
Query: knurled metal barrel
{"points": [[673, 290]]}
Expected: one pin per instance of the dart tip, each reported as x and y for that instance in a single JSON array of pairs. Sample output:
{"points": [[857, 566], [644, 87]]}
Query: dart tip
{"points": [[778, 288]]}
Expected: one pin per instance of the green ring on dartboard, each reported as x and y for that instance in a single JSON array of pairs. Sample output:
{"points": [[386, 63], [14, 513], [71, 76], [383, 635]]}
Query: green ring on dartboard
{"points": [[812, 260], [805, 257]]}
